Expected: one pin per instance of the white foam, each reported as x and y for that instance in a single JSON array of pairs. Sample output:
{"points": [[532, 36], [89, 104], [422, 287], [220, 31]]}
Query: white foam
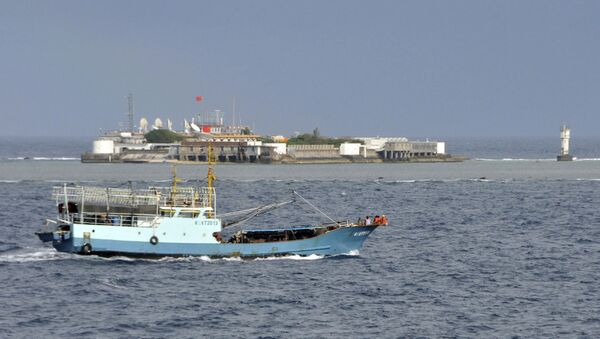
{"points": [[115, 258], [34, 254], [353, 253], [293, 257], [56, 158], [111, 283], [182, 259], [513, 159]]}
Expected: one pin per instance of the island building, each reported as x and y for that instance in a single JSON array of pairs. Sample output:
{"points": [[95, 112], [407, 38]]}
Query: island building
{"points": [[249, 148], [237, 144]]}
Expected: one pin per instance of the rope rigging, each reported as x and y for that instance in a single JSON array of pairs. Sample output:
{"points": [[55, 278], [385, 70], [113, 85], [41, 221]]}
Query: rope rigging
{"points": [[313, 206], [253, 212]]}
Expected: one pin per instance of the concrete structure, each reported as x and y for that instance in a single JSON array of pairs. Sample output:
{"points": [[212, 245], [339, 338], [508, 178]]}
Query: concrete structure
{"points": [[128, 147], [377, 143], [407, 150], [243, 147], [278, 147], [103, 146], [441, 148], [232, 151], [354, 149], [565, 136], [350, 149], [397, 150], [313, 152]]}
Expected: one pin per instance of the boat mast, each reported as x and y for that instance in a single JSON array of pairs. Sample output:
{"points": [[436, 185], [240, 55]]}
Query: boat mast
{"points": [[210, 177], [174, 184]]}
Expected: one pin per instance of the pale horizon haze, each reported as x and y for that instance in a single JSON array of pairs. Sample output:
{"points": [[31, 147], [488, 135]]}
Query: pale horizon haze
{"points": [[361, 68]]}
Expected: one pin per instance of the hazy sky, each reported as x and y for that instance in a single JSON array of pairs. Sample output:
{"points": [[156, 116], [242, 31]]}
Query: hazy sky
{"points": [[394, 68]]}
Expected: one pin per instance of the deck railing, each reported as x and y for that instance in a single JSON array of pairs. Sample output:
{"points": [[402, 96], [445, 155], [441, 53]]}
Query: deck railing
{"points": [[112, 219], [203, 197]]}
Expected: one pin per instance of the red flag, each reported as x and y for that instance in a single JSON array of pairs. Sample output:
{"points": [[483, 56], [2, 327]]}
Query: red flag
{"points": [[199, 98]]}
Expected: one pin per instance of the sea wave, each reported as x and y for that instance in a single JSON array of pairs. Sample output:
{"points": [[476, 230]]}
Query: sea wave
{"points": [[45, 158], [292, 257], [183, 259], [235, 259], [532, 159], [514, 159], [417, 181], [352, 253], [29, 254], [112, 283], [56, 158]]}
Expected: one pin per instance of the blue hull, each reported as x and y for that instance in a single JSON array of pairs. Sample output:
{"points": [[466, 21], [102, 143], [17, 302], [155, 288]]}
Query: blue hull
{"points": [[339, 241], [46, 236]]}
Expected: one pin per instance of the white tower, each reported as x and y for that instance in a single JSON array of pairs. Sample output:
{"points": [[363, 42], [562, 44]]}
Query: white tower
{"points": [[565, 135]]}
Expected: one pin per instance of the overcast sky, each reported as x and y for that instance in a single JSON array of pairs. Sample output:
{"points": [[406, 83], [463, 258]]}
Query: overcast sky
{"points": [[389, 68]]}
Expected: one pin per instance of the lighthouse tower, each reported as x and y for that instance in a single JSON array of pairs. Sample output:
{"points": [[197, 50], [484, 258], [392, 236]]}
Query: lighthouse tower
{"points": [[565, 135]]}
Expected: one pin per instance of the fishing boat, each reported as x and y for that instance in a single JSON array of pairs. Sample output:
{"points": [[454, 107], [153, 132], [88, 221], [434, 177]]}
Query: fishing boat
{"points": [[183, 221]]}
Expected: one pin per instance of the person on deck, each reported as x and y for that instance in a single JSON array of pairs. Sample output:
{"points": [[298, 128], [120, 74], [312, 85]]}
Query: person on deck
{"points": [[368, 220], [384, 220]]}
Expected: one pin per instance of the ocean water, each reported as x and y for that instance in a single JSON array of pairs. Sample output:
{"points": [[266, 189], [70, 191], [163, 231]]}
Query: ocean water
{"points": [[506, 245]]}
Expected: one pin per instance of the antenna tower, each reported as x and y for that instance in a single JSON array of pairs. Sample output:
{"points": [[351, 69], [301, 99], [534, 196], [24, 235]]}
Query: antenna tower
{"points": [[130, 111]]}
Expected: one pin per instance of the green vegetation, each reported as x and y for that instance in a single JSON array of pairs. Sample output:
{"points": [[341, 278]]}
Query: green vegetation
{"points": [[316, 139], [163, 136]]}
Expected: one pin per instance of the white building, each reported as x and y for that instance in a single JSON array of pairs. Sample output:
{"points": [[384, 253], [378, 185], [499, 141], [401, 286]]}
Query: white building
{"points": [[279, 147]]}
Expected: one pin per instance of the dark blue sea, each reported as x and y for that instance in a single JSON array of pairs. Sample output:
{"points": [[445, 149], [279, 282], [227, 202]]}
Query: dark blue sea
{"points": [[506, 244]]}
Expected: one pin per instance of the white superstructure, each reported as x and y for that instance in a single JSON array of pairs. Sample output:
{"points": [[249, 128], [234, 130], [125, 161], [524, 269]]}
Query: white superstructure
{"points": [[565, 135], [104, 146]]}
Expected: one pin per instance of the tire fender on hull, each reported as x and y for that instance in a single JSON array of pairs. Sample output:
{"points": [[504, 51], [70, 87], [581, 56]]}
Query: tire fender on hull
{"points": [[86, 249]]}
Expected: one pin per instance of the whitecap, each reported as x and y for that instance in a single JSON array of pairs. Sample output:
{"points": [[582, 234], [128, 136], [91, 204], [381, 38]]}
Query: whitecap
{"points": [[515, 159], [353, 253], [66, 159], [34, 254], [111, 283], [55, 159], [183, 259], [292, 257], [116, 258]]}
